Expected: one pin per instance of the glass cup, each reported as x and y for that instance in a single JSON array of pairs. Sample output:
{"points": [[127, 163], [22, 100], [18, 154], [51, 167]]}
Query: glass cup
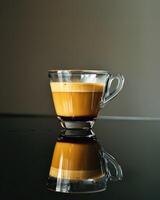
{"points": [[80, 165], [78, 95]]}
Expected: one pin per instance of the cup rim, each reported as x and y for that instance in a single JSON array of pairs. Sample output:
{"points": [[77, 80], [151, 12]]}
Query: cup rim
{"points": [[88, 71]]}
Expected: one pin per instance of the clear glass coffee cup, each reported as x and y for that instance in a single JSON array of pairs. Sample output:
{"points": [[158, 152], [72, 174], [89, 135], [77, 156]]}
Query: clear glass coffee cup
{"points": [[79, 95], [80, 164]]}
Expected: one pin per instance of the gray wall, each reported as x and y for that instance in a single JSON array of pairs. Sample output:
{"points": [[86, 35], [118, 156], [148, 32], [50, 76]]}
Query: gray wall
{"points": [[117, 35]]}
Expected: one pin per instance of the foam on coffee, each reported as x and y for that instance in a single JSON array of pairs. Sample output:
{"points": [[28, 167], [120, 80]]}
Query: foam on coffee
{"points": [[76, 87]]}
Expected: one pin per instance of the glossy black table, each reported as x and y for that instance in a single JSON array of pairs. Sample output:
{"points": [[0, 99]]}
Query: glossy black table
{"points": [[27, 143]]}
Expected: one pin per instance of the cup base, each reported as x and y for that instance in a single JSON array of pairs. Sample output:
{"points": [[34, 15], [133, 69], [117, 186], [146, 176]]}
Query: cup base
{"points": [[76, 124], [76, 186]]}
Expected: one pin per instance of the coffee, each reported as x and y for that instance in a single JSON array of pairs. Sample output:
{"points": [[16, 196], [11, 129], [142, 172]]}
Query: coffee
{"points": [[77, 100], [76, 160]]}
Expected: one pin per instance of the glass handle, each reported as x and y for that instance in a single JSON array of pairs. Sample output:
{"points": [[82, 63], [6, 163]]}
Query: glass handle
{"points": [[110, 95], [118, 170]]}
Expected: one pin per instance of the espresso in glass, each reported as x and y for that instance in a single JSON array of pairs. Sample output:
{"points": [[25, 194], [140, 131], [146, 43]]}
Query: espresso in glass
{"points": [[77, 101], [78, 95]]}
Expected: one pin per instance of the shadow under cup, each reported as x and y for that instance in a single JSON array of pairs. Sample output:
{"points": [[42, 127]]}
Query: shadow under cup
{"points": [[78, 95]]}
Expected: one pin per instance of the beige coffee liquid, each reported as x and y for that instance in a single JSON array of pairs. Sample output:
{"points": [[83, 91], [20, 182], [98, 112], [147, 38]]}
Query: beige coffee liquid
{"points": [[76, 99], [76, 161]]}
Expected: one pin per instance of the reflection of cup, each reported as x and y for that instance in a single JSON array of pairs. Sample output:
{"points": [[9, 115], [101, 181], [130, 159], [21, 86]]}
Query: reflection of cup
{"points": [[79, 164], [78, 95]]}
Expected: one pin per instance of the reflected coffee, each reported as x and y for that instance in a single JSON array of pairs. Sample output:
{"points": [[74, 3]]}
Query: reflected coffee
{"points": [[76, 160], [77, 100]]}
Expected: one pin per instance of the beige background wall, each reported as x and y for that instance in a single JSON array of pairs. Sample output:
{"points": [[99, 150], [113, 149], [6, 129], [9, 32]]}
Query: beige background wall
{"points": [[117, 35]]}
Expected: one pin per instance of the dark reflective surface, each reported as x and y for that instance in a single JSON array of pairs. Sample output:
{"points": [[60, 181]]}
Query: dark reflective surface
{"points": [[27, 143]]}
